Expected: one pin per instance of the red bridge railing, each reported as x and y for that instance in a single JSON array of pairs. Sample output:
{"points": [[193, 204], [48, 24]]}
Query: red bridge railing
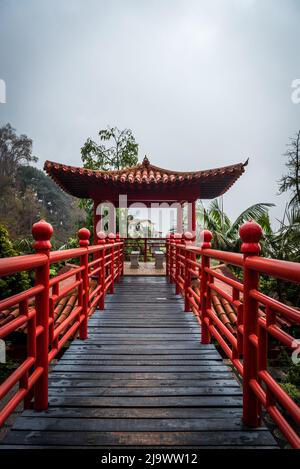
{"points": [[103, 262], [191, 269], [146, 246], [247, 349]]}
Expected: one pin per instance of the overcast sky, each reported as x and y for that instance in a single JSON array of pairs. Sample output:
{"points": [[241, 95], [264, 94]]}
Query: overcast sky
{"points": [[200, 83]]}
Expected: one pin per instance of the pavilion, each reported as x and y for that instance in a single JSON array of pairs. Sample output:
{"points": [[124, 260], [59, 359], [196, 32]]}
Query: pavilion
{"points": [[145, 183]]}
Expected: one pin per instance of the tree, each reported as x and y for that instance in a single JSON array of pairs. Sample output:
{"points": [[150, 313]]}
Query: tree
{"points": [[13, 283], [14, 151], [291, 181], [122, 153], [59, 208], [226, 233]]}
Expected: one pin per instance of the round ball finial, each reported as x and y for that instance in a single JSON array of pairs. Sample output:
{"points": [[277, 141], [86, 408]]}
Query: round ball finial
{"points": [[177, 236], [188, 237], [101, 235], [250, 233], [42, 232], [206, 236], [84, 237], [111, 237]]}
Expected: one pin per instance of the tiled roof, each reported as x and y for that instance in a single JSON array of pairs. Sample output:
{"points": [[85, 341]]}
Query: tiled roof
{"points": [[80, 181]]}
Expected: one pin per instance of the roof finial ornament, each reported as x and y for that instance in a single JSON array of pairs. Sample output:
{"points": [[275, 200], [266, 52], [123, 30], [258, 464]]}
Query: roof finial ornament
{"points": [[146, 162]]}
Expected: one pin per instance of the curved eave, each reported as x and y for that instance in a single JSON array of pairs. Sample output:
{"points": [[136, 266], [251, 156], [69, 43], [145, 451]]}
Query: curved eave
{"points": [[85, 183]]}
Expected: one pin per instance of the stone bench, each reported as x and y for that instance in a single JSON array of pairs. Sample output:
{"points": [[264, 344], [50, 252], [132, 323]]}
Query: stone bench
{"points": [[134, 259], [159, 259]]}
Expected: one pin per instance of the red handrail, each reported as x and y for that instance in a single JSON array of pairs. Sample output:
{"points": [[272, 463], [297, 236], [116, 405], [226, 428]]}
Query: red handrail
{"points": [[146, 243], [45, 339], [248, 347]]}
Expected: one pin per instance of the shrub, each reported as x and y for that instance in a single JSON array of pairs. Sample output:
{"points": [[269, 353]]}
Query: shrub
{"points": [[293, 374], [14, 283], [292, 391]]}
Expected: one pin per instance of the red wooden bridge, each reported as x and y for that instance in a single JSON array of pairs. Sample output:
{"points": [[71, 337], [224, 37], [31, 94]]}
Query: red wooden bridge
{"points": [[143, 368]]}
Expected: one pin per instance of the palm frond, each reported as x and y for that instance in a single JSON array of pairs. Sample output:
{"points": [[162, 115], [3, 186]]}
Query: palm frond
{"points": [[254, 212]]}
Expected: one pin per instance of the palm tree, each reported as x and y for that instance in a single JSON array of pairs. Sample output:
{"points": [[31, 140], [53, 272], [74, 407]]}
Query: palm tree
{"points": [[225, 233]]}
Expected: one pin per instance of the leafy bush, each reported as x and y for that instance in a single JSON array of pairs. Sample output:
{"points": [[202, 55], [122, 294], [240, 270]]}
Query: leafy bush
{"points": [[292, 391], [14, 283], [293, 374]]}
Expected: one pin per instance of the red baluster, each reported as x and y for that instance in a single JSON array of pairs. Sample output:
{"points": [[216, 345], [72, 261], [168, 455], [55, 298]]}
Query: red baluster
{"points": [[172, 255], [84, 236], [101, 241], [111, 240], [42, 232], [118, 239], [187, 238], [205, 296], [250, 233], [168, 256], [178, 240]]}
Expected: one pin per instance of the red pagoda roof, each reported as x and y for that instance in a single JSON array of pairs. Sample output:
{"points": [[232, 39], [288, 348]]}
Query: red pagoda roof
{"points": [[144, 182]]}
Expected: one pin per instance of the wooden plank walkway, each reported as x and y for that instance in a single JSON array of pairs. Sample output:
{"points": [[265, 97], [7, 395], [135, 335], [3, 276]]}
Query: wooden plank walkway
{"points": [[141, 379]]}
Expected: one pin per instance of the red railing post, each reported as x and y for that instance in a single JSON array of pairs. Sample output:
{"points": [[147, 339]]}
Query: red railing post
{"points": [[42, 232], [145, 250], [188, 237], [84, 236], [168, 256], [111, 241], [177, 239], [101, 242], [250, 233], [204, 290], [118, 257], [171, 254]]}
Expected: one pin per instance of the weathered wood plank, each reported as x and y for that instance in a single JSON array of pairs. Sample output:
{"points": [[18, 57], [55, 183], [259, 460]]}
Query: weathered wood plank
{"points": [[87, 368], [148, 401], [145, 392], [148, 383], [105, 439], [137, 412], [142, 376], [137, 362], [127, 425]]}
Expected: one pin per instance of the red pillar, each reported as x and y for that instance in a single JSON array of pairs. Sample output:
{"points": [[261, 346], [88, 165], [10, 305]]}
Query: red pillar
{"points": [[194, 217], [95, 221], [179, 218]]}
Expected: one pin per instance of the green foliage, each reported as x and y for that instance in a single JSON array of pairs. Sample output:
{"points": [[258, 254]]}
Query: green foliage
{"points": [[14, 283], [293, 374], [14, 151], [122, 153], [59, 208], [225, 233], [27, 194], [291, 181], [292, 391]]}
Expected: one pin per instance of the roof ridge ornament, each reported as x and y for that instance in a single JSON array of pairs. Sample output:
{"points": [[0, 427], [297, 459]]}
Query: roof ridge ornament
{"points": [[146, 162]]}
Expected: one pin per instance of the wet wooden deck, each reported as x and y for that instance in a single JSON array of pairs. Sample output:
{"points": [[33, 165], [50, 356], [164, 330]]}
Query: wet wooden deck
{"points": [[142, 378]]}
